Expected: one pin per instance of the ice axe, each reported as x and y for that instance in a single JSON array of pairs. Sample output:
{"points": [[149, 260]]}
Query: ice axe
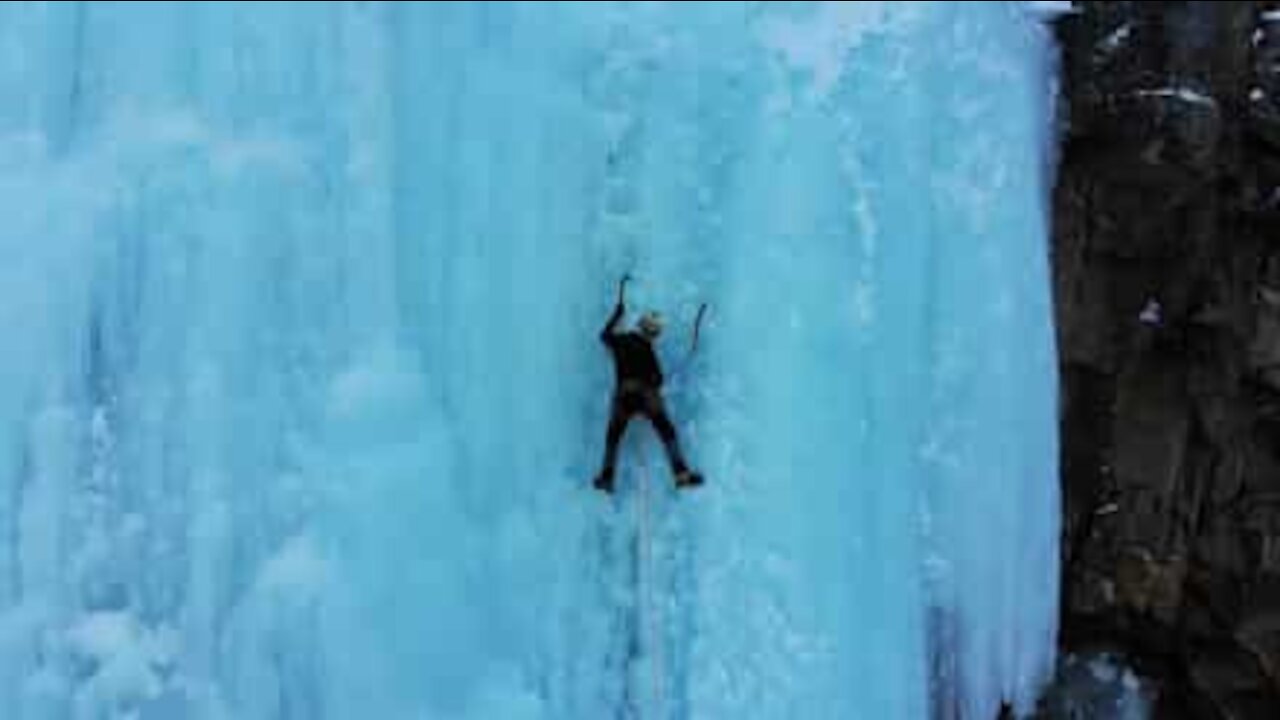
{"points": [[622, 287], [697, 325]]}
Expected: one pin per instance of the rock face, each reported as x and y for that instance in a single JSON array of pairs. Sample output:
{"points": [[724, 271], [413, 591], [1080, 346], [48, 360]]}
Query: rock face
{"points": [[1167, 272]]}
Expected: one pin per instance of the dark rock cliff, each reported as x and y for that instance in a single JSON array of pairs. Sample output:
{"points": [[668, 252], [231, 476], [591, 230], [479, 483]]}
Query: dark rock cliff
{"points": [[1167, 280]]}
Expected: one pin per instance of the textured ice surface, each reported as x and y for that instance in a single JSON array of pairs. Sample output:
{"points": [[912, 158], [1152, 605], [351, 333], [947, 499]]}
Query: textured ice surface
{"points": [[301, 391]]}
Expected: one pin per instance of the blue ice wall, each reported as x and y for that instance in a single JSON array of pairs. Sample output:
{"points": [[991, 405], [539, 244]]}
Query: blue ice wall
{"points": [[302, 395]]}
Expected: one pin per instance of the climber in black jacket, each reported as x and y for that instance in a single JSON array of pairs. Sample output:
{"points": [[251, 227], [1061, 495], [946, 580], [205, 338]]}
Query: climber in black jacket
{"points": [[638, 389]]}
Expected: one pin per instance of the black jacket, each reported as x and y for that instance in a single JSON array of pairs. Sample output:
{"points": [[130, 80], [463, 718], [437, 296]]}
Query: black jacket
{"points": [[633, 356]]}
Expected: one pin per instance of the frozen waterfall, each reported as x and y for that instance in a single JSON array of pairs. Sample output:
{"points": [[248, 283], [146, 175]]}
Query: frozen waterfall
{"points": [[301, 392]]}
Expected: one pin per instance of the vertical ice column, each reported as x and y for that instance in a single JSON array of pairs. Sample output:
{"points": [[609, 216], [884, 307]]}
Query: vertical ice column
{"points": [[990, 451]]}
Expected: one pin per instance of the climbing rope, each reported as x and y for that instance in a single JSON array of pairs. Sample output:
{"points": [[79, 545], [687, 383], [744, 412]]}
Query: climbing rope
{"points": [[650, 610]]}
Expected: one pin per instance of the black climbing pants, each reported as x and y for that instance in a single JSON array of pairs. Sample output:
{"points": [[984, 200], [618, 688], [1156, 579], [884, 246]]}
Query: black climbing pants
{"points": [[635, 398]]}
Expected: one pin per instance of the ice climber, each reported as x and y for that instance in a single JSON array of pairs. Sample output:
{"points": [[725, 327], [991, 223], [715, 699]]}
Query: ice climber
{"points": [[638, 389]]}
